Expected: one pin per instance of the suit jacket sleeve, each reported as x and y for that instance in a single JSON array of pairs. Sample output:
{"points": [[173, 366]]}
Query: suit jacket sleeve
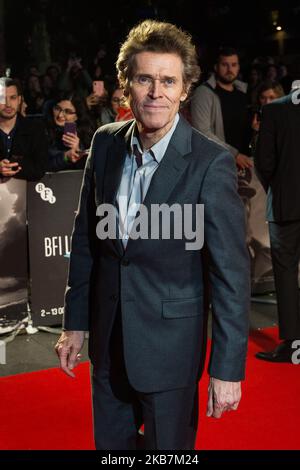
{"points": [[265, 153], [77, 297], [229, 270]]}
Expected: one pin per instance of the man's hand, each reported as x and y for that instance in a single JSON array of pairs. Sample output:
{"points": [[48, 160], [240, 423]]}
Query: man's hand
{"points": [[243, 161], [67, 349], [222, 396], [8, 169]]}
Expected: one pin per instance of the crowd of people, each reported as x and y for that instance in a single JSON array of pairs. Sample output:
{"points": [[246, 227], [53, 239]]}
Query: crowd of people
{"points": [[71, 94]]}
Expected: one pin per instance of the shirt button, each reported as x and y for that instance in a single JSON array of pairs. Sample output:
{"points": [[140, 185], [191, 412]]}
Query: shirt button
{"points": [[8, 137], [125, 262]]}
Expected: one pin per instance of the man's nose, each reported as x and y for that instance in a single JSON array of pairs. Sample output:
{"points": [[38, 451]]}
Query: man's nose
{"points": [[156, 88]]}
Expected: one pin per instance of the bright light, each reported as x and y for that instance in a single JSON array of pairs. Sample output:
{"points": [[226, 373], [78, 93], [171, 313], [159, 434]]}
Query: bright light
{"points": [[279, 28]]}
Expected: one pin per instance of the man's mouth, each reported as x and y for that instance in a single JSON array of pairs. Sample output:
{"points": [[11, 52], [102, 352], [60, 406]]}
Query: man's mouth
{"points": [[153, 107]]}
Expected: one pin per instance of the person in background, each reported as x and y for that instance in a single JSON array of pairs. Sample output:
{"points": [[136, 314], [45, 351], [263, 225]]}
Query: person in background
{"points": [[68, 151], [53, 71], [102, 66], [219, 107], [47, 87], [110, 111], [75, 79], [255, 78], [33, 95], [109, 108], [285, 78], [272, 72], [277, 165], [96, 104], [23, 107], [23, 140], [267, 92]]}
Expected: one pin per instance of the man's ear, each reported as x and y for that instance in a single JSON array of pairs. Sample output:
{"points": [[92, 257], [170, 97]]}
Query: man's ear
{"points": [[183, 97], [185, 92]]}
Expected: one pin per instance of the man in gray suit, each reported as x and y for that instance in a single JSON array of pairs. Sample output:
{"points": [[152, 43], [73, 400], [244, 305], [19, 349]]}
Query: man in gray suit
{"points": [[142, 299]]}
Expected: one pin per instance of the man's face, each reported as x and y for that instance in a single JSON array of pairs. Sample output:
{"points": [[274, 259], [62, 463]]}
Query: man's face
{"points": [[227, 69], [12, 103], [156, 90]]}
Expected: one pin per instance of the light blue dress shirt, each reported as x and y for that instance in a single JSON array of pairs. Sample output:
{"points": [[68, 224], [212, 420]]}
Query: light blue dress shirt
{"points": [[136, 180]]}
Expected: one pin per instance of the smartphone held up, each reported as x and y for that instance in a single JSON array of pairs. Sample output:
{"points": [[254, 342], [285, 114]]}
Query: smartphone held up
{"points": [[98, 88], [70, 127]]}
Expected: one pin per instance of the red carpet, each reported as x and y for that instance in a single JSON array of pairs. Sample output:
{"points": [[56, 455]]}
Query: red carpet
{"points": [[48, 410]]}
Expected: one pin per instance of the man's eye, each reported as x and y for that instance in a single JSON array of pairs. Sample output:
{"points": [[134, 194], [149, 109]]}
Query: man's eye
{"points": [[144, 80], [169, 81]]}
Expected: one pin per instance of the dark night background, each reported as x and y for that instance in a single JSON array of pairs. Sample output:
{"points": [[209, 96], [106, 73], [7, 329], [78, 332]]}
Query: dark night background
{"points": [[31, 27]]}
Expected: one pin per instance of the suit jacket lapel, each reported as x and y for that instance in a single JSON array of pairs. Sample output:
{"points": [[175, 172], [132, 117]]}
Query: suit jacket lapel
{"points": [[171, 167], [116, 155]]}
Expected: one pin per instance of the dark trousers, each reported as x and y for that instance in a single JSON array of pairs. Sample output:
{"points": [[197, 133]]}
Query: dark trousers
{"points": [[285, 251], [170, 418]]}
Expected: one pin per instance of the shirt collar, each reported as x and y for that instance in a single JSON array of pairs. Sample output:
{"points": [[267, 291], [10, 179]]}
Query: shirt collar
{"points": [[159, 149], [11, 133]]}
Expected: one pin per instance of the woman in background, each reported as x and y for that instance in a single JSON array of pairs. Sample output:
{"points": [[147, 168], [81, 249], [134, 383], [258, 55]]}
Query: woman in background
{"points": [[109, 108], [68, 150], [267, 92]]}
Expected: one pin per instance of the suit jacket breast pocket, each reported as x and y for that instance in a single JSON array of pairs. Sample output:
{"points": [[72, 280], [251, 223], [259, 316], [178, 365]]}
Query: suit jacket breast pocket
{"points": [[182, 308]]}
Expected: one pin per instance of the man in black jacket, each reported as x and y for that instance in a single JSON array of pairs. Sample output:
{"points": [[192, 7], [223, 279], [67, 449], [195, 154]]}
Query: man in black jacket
{"points": [[278, 167], [23, 142]]}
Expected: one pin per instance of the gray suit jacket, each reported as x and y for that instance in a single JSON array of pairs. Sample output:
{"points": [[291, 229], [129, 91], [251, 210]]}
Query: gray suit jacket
{"points": [[158, 284]]}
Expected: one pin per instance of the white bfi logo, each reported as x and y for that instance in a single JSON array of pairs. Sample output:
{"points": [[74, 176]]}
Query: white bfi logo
{"points": [[45, 193]]}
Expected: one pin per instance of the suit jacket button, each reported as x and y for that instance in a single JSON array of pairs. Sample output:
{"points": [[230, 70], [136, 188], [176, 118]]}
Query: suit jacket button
{"points": [[125, 262]]}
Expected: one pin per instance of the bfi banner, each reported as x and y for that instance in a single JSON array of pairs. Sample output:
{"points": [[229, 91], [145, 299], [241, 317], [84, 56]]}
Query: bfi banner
{"points": [[13, 252], [52, 205]]}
